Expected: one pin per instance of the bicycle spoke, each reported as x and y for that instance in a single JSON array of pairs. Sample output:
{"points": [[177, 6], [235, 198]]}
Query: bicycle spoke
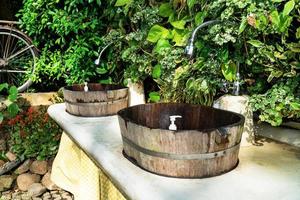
{"points": [[7, 45], [17, 57], [21, 63], [19, 52], [2, 46], [13, 71]]}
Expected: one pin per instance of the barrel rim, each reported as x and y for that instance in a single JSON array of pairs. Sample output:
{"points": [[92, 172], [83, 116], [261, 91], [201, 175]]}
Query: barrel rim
{"points": [[119, 87], [240, 122]]}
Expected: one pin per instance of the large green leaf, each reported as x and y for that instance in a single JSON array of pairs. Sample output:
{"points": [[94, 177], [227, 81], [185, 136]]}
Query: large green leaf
{"points": [[154, 97], [165, 10], [275, 18], [229, 70], [106, 81], [13, 93], [157, 32], [13, 109], [199, 18], [288, 7], [180, 37], [123, 2], [179, 24], [285, 22], [191, 3], [156, 73], [280, 55], [161, 44], [3, 86], [255, 43], [295, 105], [101, 70], [243, 25]]}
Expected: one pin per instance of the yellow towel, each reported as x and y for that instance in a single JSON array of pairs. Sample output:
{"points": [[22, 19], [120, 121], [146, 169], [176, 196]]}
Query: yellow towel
{"points": [[75, 172]]}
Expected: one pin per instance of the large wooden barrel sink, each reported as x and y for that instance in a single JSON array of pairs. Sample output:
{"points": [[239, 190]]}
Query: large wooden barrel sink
{"points": [[205, 144], [99, 100]]}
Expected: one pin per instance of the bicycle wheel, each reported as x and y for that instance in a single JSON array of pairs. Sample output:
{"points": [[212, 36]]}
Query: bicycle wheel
{"points": [[17, 58]]}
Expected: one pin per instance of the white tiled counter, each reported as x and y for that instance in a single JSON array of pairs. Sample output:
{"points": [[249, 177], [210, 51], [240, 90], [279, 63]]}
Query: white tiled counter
{"points": [[271, 171]]}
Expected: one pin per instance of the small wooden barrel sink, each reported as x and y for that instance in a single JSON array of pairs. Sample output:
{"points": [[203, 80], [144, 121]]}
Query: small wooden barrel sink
{"points": [[100, 100], [206, 143]]}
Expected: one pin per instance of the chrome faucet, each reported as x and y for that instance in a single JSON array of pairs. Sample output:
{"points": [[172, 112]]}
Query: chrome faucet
{"points": [[189, 51], [97, 61], [237, 82]]}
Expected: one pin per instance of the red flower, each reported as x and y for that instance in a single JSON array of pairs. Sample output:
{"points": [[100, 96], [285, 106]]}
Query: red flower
{"points": [[30, 110]]}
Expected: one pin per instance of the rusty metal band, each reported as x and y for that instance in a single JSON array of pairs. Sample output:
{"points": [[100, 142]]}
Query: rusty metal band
{"points": [[199, 156], [97, 103]]}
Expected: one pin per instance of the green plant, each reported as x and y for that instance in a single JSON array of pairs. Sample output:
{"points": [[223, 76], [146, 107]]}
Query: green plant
{"points": [[69, 34], [8, 106], [281, 101], [260, 38], [33, 134]]}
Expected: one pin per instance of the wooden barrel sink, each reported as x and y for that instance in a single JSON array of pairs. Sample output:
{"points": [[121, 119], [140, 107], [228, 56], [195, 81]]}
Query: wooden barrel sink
{"points": [[99, 100], [205, 144]]}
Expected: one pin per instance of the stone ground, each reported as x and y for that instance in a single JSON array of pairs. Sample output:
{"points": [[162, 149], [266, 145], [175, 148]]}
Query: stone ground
{"points": [[50, 195], [30, 181]]}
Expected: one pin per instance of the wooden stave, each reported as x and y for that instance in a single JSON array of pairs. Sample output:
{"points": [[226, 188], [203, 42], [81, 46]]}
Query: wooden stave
{"points": [[94, 96], [183, 169], [106, 109], [95, 103]]}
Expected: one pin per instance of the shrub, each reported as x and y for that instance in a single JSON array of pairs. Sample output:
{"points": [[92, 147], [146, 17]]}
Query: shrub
{"points": [[8, 105], [33, 134], [258, 38]]}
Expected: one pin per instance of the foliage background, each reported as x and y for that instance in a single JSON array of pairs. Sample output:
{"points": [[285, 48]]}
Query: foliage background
{"points": [[260, 38]]}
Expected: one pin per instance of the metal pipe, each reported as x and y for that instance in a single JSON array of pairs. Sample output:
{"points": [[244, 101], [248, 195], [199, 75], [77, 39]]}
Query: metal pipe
{"points": [[97, 61], [189, 50]]}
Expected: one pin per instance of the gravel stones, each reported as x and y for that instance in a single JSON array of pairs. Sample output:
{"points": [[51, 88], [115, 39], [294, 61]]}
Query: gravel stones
{"points": [[11, 156], [2, 163], [24, 167], [24, 181], [19, 195], [39, 167], [36, 189], [29, 185], [6, 182]]}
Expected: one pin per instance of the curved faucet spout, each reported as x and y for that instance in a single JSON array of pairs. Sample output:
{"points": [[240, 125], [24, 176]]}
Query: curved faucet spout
{"points": [[189, 50], [97, 61]]}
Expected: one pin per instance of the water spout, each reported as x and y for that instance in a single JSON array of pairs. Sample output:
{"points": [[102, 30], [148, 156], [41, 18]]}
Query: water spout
{"points": [[189, 50], [97, 61]]}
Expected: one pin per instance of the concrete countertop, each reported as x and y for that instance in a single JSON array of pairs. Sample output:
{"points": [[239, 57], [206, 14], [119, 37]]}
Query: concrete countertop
{"points": [[270, 171]]}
